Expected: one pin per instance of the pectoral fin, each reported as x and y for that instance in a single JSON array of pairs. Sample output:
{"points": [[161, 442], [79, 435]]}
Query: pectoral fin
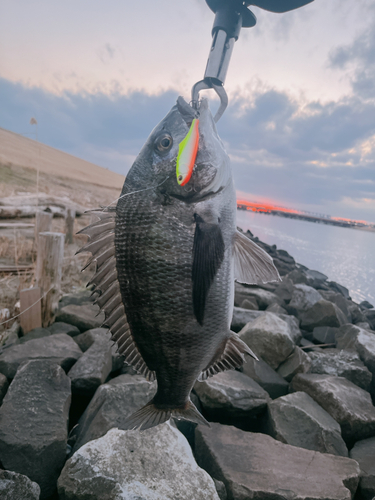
{"points": [[208, 254], [252, 264]]}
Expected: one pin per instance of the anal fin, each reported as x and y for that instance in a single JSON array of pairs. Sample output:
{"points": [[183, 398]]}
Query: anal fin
{"points": [[231, 355]]}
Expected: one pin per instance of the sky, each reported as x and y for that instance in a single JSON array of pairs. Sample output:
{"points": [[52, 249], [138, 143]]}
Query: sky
{"points": [[300, 126]]}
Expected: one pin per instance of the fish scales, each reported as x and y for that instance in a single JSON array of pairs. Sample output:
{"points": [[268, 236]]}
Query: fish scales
{"points": [[166, 261]]}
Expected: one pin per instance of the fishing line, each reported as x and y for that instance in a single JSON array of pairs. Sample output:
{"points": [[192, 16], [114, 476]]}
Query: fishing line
{"points": [[128, 194], [32, 305]]}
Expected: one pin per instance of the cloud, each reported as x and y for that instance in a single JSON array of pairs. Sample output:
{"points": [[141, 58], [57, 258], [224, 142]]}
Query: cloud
{"points": [[359, 56], [308, 155]]}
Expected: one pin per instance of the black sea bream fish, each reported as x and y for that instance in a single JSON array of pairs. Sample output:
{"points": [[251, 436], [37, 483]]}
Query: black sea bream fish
{"points": [[167, 258]]}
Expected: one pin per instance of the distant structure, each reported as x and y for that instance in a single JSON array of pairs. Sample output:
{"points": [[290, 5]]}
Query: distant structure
{"points": [[299, 214]]}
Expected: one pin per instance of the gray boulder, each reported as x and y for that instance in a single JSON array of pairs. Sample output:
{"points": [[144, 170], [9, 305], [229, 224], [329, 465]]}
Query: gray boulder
{"points": [[15, 486], [356, 312], [84, 316], [303, 298], [363, 341], [250, 303], [59, 348], [370, 317], [341, 363], [92, 368], [365, 304], [111, 405], [231, 394], [34, 423], [347, 403], [77, 298], [322, 313], [156, 464], [297, 362], [363, 452], [269, 337], [242, 317], [36, 333], [324, 334], [298, 420], [60, 327], [4, 384], [284, 290], [86, 339], [340, 301], [275, 308], [266, 377], [336, 287], [264, 298], [253, 465]]}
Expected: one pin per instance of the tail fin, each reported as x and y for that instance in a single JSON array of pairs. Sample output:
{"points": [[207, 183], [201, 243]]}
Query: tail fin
{"points": [[150, 416]]}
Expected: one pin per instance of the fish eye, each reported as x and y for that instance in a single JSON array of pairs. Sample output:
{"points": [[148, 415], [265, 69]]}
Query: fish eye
{"points": [[163, 143]]}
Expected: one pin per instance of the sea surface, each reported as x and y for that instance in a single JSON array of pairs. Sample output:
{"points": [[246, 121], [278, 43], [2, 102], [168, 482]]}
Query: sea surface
{"points": [[345, 255]]}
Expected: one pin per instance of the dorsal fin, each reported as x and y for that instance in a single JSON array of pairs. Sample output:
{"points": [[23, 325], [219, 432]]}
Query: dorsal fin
{"points": [[230, 355], [105, 280]]}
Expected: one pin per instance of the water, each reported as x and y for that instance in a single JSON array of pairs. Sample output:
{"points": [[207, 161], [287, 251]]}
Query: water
{"points": [[345, 255]]}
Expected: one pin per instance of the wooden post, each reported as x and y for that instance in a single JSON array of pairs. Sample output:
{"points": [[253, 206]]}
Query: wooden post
{"points": [[69, 220], [31, 314], [48, 272], [43, 221]]}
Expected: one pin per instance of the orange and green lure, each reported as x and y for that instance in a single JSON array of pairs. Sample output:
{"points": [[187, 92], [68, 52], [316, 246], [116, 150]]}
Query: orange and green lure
{"points": [[187, 152]]}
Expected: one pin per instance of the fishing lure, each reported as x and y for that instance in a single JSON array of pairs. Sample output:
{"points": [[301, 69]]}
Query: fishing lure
{"points": [[187, 152]]}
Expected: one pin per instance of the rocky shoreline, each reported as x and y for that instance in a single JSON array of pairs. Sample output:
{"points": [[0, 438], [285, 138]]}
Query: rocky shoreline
{"points": [[297, 425]]}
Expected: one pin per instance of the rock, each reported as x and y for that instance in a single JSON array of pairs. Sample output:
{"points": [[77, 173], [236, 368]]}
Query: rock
{"points": [[84, 316], [36, 333], [297, 362], [341, 363], [10, 336], [370, 317], [336, 287], [231, 394], [322, 313], [86, 339], [284, 290], [59, 348], [340, 301], [283, 268], [363, 341], [4, 384], [60, 327], [365, 305], [325, 334], [263, 297], [275, 308], [270, 338], [243, 316], [298, 420], [156, 464], [297, 276], [347, 403], [250, 303], [363, 452], [355, 311], [34, 423], [220, 488], [92, 368], [266, 377], [316, 278], [364, 325], [303, 298], [111, 405], [254, 465], [15, 486], [76, 298]]}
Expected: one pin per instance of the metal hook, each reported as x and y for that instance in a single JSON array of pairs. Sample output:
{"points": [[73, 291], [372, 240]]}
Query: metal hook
{"points": [[220, 91]]}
